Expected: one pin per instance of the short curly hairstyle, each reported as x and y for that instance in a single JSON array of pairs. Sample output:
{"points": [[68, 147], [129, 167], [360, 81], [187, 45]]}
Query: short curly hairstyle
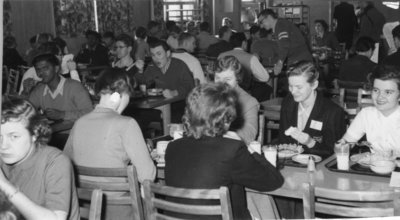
{"points": [[230, 62], [384, 72], [210, 109], [126, 39], [114, 80], [17, 109]]}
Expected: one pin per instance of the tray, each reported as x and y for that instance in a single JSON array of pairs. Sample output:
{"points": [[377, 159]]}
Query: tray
{"points": [[290, 162], [355, 168]]}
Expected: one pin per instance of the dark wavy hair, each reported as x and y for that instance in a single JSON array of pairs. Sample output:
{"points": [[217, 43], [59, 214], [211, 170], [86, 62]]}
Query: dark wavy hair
{"points": [[17, 109], [210, 109], [114, 80], [126, 39], [323, 23], [305, 68], [384, 72], [230, 62]]}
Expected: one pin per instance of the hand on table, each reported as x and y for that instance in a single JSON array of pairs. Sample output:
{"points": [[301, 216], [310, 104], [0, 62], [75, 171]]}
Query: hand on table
{"points": [[54, 114], [169, 93]]}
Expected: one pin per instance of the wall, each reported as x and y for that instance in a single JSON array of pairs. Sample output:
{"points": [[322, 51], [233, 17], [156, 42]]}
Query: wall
{"points": [[29, 17]]}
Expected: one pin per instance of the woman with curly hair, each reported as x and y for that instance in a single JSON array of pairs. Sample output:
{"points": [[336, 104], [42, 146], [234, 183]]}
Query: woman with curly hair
{"points": [[37, 179], [381, 122], [205, 159]]}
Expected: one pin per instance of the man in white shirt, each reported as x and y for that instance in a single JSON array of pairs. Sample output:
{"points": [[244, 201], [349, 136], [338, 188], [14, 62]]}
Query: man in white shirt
{"points": [[187, 45]]}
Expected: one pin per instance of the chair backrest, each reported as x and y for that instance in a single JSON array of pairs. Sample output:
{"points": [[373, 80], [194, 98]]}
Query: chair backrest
{"points": [[93, 212], [350, 203], [153, 203], [12, 81], [261, 127], [132, 186], [364, 98]]}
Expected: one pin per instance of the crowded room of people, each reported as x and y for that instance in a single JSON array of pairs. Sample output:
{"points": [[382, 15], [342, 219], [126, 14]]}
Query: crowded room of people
{"points": [[200, 109]]}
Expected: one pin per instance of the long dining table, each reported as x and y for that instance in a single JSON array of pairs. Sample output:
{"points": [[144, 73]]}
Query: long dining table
{"points": [[157, 102], [321, 177]]}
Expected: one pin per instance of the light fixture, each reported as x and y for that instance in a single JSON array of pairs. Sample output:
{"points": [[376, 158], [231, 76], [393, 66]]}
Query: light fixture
{"points": [[392, 4]]}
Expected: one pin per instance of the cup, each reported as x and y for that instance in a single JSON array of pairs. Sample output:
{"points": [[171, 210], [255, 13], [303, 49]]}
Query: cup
{"points": [[175, 127], [270, 153], [161, 147], [342, 151], [256, 146], [143, 88]]}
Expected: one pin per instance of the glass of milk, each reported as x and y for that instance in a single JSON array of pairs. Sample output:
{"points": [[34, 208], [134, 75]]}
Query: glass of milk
{"points": [[342, 151], [271, 153]]}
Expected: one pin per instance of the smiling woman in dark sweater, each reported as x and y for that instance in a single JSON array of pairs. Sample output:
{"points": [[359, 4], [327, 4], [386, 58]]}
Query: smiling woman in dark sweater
{"points": [[205, 159]]}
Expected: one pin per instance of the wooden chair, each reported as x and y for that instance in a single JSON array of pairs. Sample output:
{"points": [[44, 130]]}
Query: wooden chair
{"points": [[131, 197], [261, 127], [350, 203], [153, 203], [93, 212], [12, 82], [271, 110], [364, 98]]}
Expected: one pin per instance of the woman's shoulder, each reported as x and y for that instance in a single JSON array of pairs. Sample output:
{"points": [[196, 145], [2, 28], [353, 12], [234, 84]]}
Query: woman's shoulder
{"points": [[52, 155]]}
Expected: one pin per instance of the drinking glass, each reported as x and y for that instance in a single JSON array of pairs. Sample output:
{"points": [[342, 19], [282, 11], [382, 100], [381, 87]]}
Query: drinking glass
{"points": [[271, 153], [342, 151]]}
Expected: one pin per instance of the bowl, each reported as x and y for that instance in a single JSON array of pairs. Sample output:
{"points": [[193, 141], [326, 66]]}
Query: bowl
{"points": [[154, 92], [382, 166]]}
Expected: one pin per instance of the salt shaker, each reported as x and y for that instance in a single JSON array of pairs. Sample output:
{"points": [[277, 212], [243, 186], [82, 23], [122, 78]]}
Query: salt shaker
{"points": [[311, 164]]}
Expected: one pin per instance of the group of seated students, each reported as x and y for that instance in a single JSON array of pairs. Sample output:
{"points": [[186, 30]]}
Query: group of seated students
{"points": [[193, 161], [220, 119]]}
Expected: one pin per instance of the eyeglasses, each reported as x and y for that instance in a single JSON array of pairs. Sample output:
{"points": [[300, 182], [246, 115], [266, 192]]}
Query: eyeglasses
{"points": [[120, 47]]}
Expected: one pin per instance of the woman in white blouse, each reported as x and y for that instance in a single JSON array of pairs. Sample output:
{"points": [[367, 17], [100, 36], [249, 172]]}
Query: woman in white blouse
{"points": [[381, 122]]}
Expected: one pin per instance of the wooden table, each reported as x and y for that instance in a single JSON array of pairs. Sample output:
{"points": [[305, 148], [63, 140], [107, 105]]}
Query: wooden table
{"points": [[157, 102]]}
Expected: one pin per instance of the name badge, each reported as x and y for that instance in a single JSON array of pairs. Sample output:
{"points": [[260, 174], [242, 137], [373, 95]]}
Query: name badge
{"points": [[316, 125]]}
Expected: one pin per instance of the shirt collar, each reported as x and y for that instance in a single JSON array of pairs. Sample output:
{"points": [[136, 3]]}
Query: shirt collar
{"points": [[165, 69], [59, 89]]}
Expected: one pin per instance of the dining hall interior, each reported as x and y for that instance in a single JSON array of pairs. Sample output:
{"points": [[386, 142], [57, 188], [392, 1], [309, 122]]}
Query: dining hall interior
{"points": [[200, 109]]}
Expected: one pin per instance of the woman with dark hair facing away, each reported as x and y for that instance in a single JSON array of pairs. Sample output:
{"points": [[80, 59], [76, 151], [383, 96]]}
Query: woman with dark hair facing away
{"points": [[323, 37], [381, 122], [204, 159], [121, 141], [37, 179], [307, 118], [124, 45]]}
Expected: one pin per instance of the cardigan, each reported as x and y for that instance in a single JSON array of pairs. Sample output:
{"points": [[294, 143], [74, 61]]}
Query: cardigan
{"points": [[326, 124]]}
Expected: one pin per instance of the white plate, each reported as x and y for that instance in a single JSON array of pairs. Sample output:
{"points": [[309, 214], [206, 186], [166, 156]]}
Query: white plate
{"points": [[289, 150], [364, 159], [303, 158]]}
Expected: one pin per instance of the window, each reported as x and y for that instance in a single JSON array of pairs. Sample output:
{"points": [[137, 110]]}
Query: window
{"points": [[181, 10]]}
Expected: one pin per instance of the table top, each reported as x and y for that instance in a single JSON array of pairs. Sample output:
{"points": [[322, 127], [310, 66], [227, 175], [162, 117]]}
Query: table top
{"points": [[153, 101], [322, 177]]}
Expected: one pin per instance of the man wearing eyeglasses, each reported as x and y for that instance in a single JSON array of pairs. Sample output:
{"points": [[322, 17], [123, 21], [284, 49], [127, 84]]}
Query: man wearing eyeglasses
{"points": [[291, 43]]}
